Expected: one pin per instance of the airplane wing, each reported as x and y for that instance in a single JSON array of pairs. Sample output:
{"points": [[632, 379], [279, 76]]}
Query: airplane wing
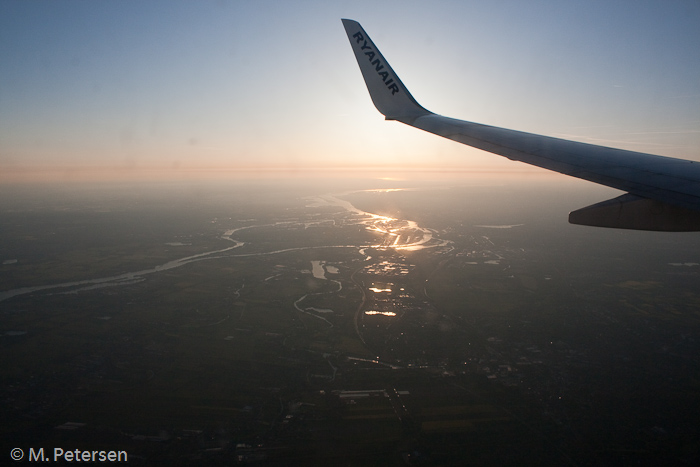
{"points": [[662, 193]]}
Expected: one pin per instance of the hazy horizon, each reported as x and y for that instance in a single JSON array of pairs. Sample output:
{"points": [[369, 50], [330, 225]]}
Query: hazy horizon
{"points": [[130, 88]]}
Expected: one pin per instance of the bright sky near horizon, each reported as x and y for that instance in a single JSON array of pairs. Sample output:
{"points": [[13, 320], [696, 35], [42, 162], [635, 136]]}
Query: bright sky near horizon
{"points": [[271, 84]]}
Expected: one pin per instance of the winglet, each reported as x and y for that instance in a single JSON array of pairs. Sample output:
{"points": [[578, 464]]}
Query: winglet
{"points": [[388, 93]]}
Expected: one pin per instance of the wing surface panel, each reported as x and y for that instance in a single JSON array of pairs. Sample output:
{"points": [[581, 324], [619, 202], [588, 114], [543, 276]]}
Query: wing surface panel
{"points": [[663, 178]]}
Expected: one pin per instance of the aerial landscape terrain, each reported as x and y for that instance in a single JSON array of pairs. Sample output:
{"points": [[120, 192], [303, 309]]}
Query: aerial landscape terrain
{"points": [[369, 322], [223, 243]]}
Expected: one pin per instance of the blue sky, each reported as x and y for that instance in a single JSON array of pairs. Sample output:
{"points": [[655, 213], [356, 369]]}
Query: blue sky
{"points": [[226, 85]]}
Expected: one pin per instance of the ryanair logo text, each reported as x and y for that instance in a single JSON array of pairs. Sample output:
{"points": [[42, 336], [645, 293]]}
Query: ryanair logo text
{"points": [[378, 66]]}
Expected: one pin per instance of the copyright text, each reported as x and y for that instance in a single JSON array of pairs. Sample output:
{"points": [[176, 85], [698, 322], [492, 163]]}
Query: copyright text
{"points": [[75, 455]]}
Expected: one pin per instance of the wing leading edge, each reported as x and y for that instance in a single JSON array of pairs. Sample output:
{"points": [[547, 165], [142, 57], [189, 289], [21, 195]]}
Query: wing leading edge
{"points": [[663, 193]]}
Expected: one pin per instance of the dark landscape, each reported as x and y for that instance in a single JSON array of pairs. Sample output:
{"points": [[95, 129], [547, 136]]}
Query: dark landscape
{"points": [[368, 322]]}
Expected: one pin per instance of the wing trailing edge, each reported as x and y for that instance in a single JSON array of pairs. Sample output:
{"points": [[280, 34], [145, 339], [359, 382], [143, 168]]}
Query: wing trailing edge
{"points": [[663, 192]]}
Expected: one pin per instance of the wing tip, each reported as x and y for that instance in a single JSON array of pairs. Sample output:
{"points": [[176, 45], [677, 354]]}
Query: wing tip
{"points": [[389, 94]]}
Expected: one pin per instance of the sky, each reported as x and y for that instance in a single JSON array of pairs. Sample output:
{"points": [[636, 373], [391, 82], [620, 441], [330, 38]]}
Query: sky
{"points": [[135, 87]]}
